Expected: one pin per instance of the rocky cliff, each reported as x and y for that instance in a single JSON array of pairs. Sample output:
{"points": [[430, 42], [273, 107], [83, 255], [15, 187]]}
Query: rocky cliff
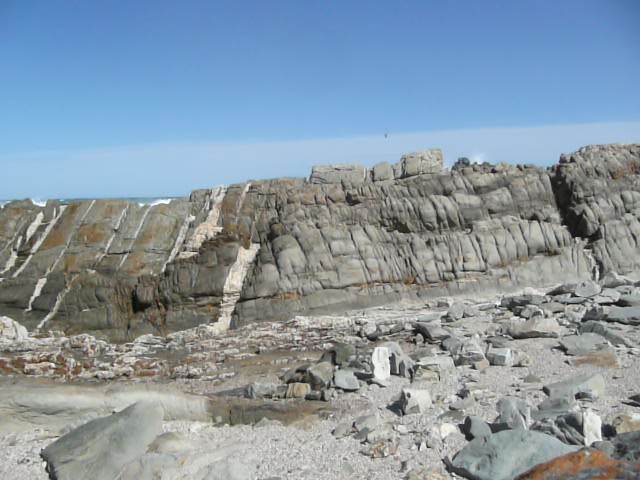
{"points": [[346, 237]]}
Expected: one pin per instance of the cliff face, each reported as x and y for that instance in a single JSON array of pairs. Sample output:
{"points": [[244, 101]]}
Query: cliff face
{"points": [[346, 237]]}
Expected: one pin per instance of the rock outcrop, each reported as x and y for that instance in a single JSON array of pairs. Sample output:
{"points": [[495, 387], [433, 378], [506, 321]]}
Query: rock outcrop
{"points": [[346, 237]]}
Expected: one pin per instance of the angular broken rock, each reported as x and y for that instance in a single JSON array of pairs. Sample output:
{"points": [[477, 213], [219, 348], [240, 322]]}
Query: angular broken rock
{"points": [[432, 331], [12, 330], [470, 353], [98, 450], [298, 390], [583, 344], [413, 400], [399, 362], [381, 365], [538, 327], [500, 357], [346, 380], [319, 376], [507, 454], [626, 422], [573, 428], [589, 386], [514, 413], [587, 288], [475, 427]]}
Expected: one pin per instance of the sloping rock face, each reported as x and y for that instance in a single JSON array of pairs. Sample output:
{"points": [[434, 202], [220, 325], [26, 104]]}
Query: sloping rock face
{"points": [[598, 191], [347, 237]]}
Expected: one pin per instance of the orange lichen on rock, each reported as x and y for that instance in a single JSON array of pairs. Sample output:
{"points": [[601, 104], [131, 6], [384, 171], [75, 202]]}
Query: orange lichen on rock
{"points": [[583, 465]]}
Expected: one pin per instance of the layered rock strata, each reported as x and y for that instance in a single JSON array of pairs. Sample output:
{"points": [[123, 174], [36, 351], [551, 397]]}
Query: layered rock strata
{"points": [[346, 237]]}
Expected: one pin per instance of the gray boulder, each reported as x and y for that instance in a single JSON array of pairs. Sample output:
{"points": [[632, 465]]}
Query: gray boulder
{"points": [[583, 344], [538, 327], [346, 380], [514, 413], [319, 376], [341, 174], [507, 454], [590, 386], [99, 450], [419, 163], [475, 427]]}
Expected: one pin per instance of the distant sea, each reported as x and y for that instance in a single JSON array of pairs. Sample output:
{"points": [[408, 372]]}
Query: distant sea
{"points": [[140, 200]]}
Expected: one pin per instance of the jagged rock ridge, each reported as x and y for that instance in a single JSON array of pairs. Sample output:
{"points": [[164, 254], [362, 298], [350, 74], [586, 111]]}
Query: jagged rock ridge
{"points": [[348, 236]]}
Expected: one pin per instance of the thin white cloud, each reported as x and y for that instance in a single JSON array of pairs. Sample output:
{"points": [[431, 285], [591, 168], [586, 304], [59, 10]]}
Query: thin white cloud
{"points": [[177, 168]]}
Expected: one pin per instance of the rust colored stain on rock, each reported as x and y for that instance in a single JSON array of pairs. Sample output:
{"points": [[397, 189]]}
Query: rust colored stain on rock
{"points": [[583, 465]]}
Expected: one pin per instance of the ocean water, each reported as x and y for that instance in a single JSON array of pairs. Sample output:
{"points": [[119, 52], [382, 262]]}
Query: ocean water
{"points": [[139, 200]]}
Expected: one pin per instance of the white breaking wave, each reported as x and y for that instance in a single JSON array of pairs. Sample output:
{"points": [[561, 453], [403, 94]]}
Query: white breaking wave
{"points": [[38, 202], [160, 201]]}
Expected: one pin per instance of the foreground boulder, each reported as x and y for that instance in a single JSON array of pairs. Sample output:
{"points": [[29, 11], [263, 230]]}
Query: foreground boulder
{"points": [[99, 450], [584, 465], [505, 455]]}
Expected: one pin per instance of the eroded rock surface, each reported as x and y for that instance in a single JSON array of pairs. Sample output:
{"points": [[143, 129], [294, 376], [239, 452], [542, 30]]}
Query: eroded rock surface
{"points": [[346, 238]]}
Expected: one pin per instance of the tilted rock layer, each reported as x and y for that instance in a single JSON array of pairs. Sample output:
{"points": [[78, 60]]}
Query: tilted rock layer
{"points": [[347, 237]]}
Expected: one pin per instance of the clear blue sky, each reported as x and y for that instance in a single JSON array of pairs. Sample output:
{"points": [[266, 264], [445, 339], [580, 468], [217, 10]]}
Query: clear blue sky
{"points": [[80, 80]]}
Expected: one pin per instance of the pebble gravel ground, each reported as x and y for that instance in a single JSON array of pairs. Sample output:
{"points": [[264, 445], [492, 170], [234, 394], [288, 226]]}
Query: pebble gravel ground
{"points": [[400, 446]]}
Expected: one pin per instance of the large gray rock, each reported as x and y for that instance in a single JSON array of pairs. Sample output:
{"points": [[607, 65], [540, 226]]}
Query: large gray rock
{"points": [[101, 448], [580, 386], [341, 174], [515, 413], [583, 344], [538, 327], [419, 163], [507, 454], [268, 250]]}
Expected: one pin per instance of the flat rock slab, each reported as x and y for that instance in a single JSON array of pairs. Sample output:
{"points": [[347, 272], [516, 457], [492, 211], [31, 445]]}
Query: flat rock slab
{"points": [[587, 385], [537, 327], [507, 454], [98, 450], [583, 344]]}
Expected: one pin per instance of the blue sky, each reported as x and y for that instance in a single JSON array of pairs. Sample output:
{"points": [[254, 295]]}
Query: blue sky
{"points": [[120, 98]]}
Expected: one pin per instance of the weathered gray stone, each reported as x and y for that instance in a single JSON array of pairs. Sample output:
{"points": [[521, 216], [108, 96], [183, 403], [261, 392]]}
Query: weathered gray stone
{"points": [[573, 428], [432, 331], [400, 363], [475, 427], [500, 356], [583, 344], [277, 248], [419, 163], [413, 400], [587, 288], [470, 352], [535, 328], [581, 386], [603, 331], [514, 413], [345, 380], [101, 448], [298, 390], [507, 454], [344, 174], [320, 375]]}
